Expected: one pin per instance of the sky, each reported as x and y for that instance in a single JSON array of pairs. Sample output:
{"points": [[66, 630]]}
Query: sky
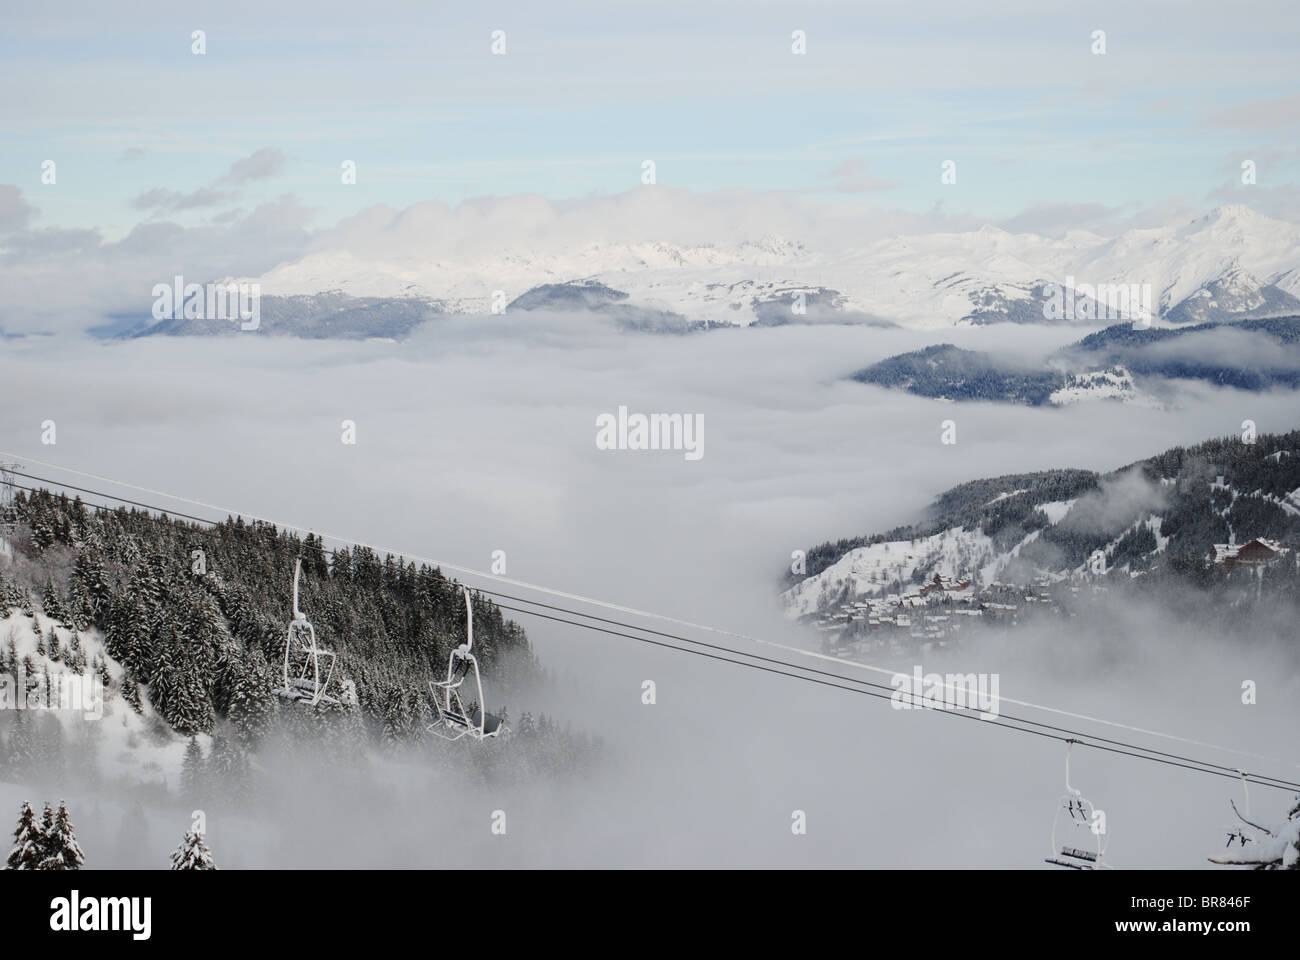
{"points": [[144, 132]]}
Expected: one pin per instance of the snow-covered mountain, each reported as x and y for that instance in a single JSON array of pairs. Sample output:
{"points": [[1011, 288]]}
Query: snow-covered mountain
{"points": [[1121, 362], [1229, 264], [1166, 512]]}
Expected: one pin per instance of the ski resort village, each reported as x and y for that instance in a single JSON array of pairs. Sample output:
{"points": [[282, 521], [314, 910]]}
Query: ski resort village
{"points": [[1011, 550]]}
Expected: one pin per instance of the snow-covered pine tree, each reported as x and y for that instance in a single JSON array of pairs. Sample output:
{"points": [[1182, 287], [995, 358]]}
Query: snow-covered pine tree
{"points": [[394, 726], [100, 666], [251, 707], [189, 706], [89, 572], [61, 849], [28, 842], [47, 827], [80, 610], [193, 854], [42, 530], [51, 602], [1264, 848], [131, 691], [75, 658]]}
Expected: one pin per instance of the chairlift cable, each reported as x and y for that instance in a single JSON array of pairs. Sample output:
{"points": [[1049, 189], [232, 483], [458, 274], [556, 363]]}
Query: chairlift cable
{"points": [[1146, 753]]}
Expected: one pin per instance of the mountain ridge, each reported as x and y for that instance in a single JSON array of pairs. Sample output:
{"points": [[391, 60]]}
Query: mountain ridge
{"points": [[1163, 513], [1229, 264]]}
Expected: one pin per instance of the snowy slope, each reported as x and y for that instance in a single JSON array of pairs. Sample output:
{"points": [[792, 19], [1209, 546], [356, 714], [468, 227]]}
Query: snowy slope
{"points": [[1113, 384], [134, 747], [882, 568]]}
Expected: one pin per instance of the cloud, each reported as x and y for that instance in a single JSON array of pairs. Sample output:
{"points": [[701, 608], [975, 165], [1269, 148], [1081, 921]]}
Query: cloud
{"points": [[160, 198], [261, 165], [1226, 347], [69, 280], [1116, 504], [1263, 116], [1281, 201], [15, 212], [852, 176], [131, 153], [1055, 219]]}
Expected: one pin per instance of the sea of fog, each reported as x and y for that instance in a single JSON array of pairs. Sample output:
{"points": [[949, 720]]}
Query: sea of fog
{"points": [[478, 435]]}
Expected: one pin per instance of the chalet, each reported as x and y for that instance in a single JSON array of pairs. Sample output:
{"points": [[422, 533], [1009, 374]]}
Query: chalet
{"points": [[1224, 552], [1258, 552], [944, 585]]}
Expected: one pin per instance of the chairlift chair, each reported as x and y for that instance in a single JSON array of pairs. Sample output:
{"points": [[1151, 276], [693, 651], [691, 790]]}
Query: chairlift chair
{"points": [[1074, 815], [308, 667], [452, 720]]}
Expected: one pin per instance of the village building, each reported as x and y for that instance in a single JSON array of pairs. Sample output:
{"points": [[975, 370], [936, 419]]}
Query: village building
{"points": [[1257, 552]]}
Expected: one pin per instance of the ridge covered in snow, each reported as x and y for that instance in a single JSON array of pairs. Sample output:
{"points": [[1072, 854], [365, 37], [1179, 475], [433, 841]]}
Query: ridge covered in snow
{"points": [[1231, 263]]}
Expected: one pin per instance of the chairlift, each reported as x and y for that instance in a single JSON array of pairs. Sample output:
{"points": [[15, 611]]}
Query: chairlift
{"points": [[1237, 832], [307, 666], [452, 720], [1075, 844]]}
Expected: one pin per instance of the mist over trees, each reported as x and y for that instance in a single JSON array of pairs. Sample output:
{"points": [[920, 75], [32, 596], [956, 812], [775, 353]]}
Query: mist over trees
{"points": [[1180, 485], [195, 619]]}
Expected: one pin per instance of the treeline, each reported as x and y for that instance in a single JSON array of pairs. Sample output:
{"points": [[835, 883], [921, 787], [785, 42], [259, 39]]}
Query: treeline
{"points": [[944, 370]]}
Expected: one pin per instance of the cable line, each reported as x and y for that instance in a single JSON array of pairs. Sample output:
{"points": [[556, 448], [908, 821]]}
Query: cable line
{"points": [[1057, 732]]}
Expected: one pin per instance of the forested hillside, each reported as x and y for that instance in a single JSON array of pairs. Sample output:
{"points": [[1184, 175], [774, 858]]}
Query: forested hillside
{"points": [[1166, 511], [943, 370], [1247, 355], [196, 616]]}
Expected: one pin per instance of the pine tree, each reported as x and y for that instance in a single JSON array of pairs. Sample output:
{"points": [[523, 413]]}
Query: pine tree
{"points": [[75, 658], [89, 572], [61, 849], [131, 691], [192, 768], [28, 842], [51, 602], [47, 828], [42, 530], [251, 707], [80, 610], [1273, 847], [193, 854]]}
